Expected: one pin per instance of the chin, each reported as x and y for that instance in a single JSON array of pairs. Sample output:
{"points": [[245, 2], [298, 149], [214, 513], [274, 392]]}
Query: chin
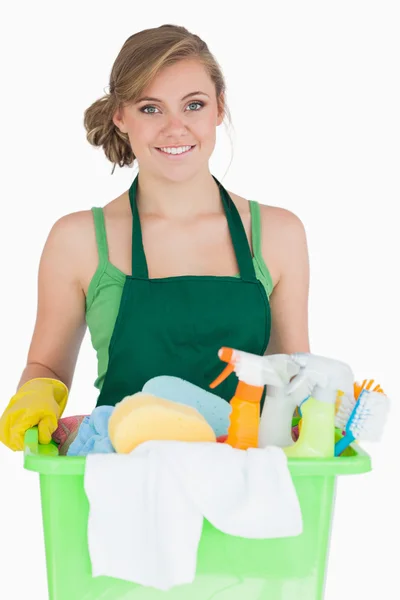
{"points": [[180, 173]]}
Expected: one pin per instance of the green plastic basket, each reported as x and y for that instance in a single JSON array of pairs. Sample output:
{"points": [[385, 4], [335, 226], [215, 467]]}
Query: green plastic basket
{"points": [[228, 567]]}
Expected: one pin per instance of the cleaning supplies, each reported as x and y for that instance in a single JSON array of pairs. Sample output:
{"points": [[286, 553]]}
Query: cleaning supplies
{"points": [[366, 385], [364, 418], [66, 432], [346, 401], [279, 406], [214, 409], [253, 372], [319, 380], [357, 389], [40, 401], [143, 417], [339, 399], [92, 436]]}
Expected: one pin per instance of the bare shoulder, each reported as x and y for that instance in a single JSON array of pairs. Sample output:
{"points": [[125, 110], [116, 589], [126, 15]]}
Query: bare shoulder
{"points": [[278, 220], [284, 238], [71, 230], [282, 235], [78, 227], [71, 244], [284, 245], [72, 239], [74, 223], [274, 219]]}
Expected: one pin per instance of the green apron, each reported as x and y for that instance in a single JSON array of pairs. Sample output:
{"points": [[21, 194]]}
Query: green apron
{"points": [[176, 325]]}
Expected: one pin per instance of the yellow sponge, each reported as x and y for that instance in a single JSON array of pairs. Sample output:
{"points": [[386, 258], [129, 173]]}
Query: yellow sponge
{"points": [[142, 417]]}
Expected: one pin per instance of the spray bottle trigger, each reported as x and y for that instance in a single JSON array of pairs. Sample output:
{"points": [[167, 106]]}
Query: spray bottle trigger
{"points": [[303, 382], [225, 373]]}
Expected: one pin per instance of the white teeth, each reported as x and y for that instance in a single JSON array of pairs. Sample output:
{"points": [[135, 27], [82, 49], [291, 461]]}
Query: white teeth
{"points": [[175, 150]]}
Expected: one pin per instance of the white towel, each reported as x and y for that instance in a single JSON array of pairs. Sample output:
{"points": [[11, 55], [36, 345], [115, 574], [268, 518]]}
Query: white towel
{"points": [[146, 508]]}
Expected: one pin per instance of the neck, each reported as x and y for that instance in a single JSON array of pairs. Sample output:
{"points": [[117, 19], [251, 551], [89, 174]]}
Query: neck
{"points": [[195, 196]]}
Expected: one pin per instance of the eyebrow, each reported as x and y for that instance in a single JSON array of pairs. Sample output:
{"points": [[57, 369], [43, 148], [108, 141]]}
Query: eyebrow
{"points": [[148, 99]]}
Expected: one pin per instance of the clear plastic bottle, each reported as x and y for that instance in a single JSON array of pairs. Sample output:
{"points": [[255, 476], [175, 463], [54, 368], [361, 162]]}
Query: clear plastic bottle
{"points": [[279, 406], [323, 378], [253, 372]]}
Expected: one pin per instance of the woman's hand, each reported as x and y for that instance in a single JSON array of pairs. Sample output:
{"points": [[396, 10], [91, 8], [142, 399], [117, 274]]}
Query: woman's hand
{"points": [[38, 402]]}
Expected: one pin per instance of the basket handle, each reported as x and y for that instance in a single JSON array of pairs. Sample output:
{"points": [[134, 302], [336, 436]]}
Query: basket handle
{"points": [[31, 441]]}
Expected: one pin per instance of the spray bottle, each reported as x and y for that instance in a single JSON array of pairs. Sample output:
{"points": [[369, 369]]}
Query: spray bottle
{"points": [[253, 372], [277, 415], [320, 381]]}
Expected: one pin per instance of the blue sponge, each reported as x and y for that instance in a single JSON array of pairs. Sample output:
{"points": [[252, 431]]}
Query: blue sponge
{"points": [[214, 409], [92, 436]]}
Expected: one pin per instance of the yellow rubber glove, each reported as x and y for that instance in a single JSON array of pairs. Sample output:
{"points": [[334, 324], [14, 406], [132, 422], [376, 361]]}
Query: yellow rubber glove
{"points": [[40, 402]]}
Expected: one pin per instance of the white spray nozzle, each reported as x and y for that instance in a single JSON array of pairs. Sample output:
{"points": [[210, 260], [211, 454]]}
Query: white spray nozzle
{"points": [[257, 370], [251, 368], [285, 366], [324, 374]]}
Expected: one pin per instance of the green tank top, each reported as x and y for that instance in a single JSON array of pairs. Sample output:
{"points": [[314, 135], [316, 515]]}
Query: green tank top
{"points": [[105, 288]]}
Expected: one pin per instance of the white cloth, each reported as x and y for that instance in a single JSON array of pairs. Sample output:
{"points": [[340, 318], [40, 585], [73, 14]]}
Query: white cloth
{"points": [[146, 508]]}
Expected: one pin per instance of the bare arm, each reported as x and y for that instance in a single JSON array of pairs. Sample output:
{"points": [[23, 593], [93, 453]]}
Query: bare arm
{"points": [[289, 299], [60, 321]]}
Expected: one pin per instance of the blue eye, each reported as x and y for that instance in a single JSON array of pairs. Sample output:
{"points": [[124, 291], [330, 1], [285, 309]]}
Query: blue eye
{"points": [[201, 104], [143, 109]]}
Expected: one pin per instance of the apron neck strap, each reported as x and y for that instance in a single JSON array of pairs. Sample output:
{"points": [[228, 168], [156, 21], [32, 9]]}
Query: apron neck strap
{"points": [[238, 235], [235, 224], [139, 263]]}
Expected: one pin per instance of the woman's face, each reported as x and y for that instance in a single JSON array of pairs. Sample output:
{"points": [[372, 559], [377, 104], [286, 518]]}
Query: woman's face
{"points": [[179, 109]]}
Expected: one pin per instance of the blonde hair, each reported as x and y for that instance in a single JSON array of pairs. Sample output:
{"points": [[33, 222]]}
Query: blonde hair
{"points": [[141, 57]]}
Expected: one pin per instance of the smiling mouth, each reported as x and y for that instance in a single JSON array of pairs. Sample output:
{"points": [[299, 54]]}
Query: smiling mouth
{"points": [[177, 153]]}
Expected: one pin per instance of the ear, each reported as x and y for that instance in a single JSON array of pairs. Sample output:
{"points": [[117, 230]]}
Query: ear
{"points": [[118, 120], [221, 109]]}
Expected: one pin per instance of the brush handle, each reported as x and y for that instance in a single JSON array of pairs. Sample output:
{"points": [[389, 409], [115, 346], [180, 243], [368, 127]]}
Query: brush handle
{"points": [[343, 443]]}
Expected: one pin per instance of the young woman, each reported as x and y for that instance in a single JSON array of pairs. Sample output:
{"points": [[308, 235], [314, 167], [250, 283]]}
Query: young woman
{"points": [[175, 267]]}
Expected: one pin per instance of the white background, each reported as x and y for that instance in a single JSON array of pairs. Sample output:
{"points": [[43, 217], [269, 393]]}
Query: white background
{"points": [[313, 89]]}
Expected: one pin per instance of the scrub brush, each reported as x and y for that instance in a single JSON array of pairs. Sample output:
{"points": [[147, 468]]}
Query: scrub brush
{"points": [[366, 386], [358, 388], [363, 418]]}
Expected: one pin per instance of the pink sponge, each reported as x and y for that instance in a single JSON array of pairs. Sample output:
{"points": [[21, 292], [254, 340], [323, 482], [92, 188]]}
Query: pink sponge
{"points": [[66, 432]]}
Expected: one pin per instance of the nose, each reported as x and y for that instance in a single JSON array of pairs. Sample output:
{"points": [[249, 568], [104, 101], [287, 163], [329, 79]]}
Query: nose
{"points": [[174, 125]]}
